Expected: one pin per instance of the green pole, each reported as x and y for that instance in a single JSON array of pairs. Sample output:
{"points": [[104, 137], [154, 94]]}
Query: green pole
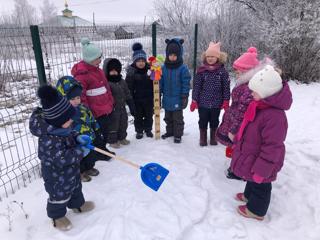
{"points": [[34, 29], [195, 49], [154, 39]]}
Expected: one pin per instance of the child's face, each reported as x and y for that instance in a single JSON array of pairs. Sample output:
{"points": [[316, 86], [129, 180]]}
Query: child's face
{"points": [[256, 96], [96, 62], [113, 73], [67, 124], [211, 59], [238, 73], [75, 102], [140, 63], [172, 57]]}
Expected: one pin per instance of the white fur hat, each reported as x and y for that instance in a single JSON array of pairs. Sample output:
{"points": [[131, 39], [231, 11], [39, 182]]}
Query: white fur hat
{"points": [[266, 82]]}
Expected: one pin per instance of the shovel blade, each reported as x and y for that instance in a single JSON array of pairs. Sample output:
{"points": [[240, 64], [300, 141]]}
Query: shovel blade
{"points": [[153, 175]]}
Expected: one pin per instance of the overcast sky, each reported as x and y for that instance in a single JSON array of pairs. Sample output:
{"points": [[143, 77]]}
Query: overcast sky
{"points": [[105, 10]]}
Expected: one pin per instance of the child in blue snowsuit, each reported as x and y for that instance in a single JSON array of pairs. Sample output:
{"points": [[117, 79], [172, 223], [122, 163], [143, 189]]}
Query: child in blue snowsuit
{"points": [[60, 155], [174, 87], [83, 123]]}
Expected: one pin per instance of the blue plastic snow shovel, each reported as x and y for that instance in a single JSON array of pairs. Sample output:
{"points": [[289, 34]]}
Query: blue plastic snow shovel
{"points": [[152, 174]]}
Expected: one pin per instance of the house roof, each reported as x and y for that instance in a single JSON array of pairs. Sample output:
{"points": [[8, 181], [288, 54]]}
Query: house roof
{"points": [[62, 21]]}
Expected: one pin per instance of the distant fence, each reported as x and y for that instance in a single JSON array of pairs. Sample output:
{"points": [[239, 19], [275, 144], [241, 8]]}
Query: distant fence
{"points": [[19, 80]]}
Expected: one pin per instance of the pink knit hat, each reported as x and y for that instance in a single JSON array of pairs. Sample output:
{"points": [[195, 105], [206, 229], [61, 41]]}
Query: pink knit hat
{"points": [[247, 61], [213, 49]]}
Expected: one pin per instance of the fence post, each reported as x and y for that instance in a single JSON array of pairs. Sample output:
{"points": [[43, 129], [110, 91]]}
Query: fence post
{"points": [[195, 49], [34, 29], [156, 88], [154, 39]]}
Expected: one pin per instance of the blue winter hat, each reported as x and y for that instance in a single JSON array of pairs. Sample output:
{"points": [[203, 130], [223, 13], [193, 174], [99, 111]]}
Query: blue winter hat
{"points": [[56, 109], [138, 52], [90, 51], [69, 87]]}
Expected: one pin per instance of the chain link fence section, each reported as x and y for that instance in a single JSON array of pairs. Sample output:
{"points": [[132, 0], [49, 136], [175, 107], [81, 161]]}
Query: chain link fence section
{"points": [[61, 47], [18, 84]]}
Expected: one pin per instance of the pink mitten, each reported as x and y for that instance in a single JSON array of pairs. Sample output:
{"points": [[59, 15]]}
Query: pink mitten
{"points": [[193, 105], [257, 179], [225, 105]]}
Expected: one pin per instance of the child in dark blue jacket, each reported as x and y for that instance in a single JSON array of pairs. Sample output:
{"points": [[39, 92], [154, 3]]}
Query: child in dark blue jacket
{"points": [[174, 87], [60, 156]]}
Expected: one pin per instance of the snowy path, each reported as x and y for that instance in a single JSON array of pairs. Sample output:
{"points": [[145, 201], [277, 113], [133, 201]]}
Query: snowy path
{"points": [[196, 200]]}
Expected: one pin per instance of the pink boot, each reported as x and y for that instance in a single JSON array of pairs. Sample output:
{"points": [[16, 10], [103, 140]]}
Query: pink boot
{"points": [[244, 211], [241, 197]]}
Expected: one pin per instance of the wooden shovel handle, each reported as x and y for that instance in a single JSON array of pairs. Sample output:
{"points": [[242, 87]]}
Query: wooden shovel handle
{"points": [[116, 157]]}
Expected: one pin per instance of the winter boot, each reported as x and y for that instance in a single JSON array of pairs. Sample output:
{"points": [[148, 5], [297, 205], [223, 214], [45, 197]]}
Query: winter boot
{"points": [[203, 137], [115, 145], [62, 224], [213, 140], [124, 142], [93, 172], [244, 211], [86, 207], [85, 177], [177, 140], [139, 135], [166, 135], [240, 197], [149, 134]]}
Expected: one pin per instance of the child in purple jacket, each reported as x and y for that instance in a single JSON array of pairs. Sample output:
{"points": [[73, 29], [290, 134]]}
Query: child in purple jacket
{"points": [[259, 148], [211, 92], [245, 67]]}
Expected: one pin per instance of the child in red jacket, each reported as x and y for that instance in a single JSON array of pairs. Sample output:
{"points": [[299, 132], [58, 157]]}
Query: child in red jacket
{"points": [[96, 93]]}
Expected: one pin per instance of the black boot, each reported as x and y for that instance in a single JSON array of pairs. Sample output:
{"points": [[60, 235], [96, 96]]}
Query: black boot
{"points": [[213, 140], [203, 137], [149, 134], [177, 140], [166, 135], [139, 135]]}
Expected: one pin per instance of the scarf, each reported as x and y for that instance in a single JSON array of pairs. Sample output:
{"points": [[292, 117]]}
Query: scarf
{"points": [[207, 67], [250, 115]]}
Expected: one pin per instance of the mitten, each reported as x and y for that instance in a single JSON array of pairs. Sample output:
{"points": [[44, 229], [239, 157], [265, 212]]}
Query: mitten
{"points": [[184, 101], [83, 140], [85, 150], [225, 105], [257, 179], [193, 106]]}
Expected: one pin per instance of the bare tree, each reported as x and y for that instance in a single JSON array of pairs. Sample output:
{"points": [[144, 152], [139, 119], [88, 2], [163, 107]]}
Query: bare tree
{"points": [[48, 10], [24, 14], [290, 32]]}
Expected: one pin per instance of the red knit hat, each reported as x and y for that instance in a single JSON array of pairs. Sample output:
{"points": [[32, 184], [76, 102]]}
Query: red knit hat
{"points": [[247, 61]]}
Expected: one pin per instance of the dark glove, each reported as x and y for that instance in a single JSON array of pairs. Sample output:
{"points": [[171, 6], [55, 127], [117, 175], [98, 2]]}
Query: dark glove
{"points": [[184, 101], [131, 106]]}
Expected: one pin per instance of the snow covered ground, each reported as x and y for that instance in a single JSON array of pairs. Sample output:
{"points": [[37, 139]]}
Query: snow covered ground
{"points": [[196, 200]]}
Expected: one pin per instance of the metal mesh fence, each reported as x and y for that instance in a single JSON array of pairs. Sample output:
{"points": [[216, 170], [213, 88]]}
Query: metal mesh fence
{"points": [[18, 81], [61, 49]]}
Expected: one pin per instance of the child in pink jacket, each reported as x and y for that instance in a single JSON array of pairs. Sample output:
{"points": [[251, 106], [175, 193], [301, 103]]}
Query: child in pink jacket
{"points": [[259, 148], [96, 93]]}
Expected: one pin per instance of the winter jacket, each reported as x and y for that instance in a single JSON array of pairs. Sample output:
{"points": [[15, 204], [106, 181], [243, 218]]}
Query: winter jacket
{"points": [[261, 148], [174, 85], [96, 92], [233, 116], [60, 157], [85, 123], [211, 87], [139, 84]]}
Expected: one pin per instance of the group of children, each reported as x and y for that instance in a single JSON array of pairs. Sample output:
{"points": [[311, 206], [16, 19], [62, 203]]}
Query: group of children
{"points": [[90, 108]]}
